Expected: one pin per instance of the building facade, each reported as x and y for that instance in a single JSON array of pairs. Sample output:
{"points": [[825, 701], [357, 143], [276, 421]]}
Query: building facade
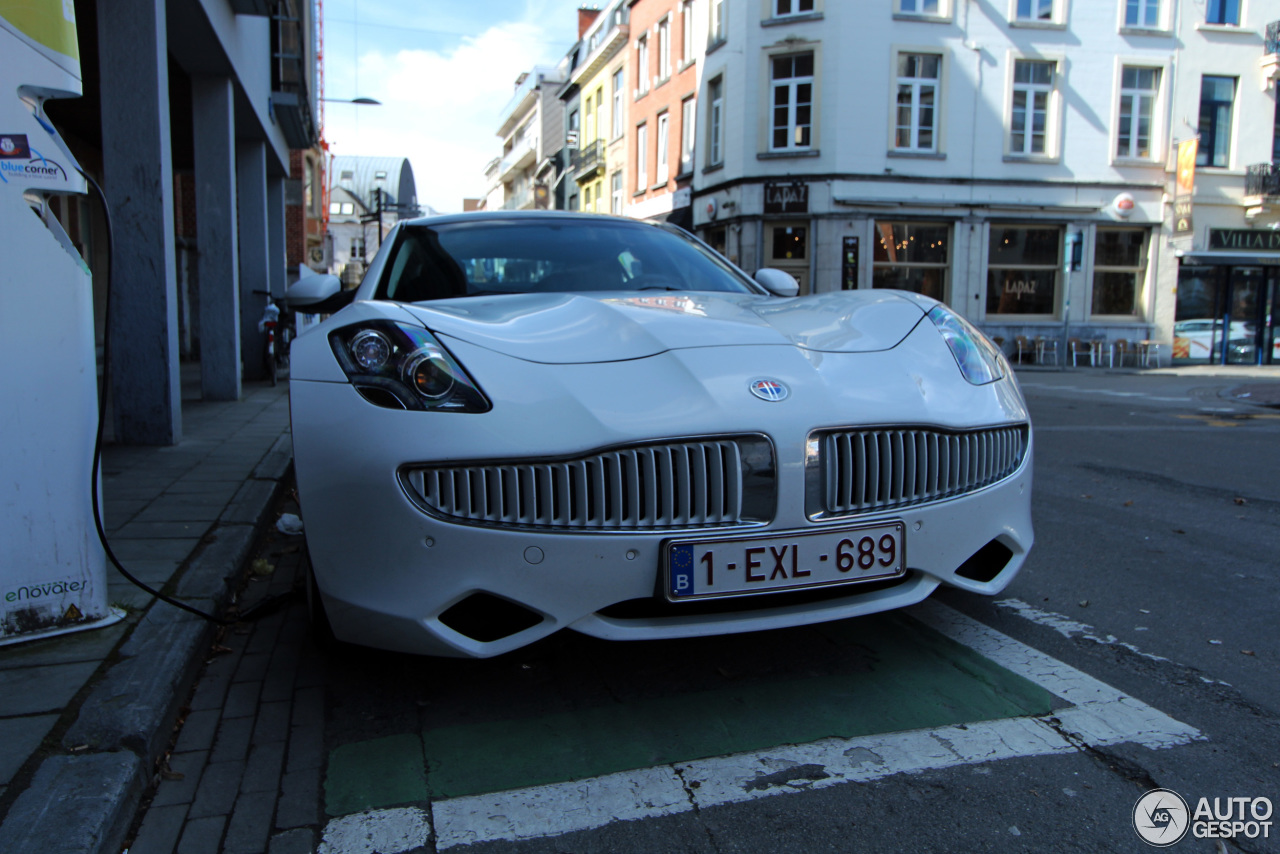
{"points": [[367, 197], [596, 110], [529, 126], [668, 40], [189, 113], [1013, 160]]}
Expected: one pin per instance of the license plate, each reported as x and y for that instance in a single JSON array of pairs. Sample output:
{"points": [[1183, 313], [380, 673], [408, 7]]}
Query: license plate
{"points": [[701, 569]]}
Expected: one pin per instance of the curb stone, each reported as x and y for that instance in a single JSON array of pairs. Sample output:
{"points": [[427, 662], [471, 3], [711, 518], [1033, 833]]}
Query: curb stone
{"points": [[93, 794]]}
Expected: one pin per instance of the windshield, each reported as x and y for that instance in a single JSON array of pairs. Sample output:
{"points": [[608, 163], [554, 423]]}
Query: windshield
{"points": [[482, 257]]}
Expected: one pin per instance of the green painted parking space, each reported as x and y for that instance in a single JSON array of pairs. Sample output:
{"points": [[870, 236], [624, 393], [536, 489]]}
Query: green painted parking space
{"points": [[881, 674]]}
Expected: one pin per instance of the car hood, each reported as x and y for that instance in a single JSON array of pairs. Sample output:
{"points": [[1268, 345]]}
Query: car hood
{"points": [[579, 329]]}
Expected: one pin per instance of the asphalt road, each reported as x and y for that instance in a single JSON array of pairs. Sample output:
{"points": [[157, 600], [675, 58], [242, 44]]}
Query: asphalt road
{"points": [[1155, 571]]}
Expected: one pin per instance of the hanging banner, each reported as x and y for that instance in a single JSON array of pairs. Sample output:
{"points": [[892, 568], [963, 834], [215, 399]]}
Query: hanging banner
{"points": [[1184, 187]]}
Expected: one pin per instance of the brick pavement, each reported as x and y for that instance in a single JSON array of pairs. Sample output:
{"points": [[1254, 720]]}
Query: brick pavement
{"points": [[244, 770]]}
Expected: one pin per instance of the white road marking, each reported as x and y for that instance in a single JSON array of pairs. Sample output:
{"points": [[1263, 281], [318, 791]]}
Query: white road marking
{"points": [[1107, 392], [377, 832], [1068, 627], [1099, 715]]}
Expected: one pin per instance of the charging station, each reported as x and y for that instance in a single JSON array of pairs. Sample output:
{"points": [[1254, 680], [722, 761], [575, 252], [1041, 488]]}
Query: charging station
{"points": [[53, 575]]}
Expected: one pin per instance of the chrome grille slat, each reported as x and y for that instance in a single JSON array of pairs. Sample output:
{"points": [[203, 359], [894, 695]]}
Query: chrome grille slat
{"points": [[870, 470], [680, 485]]}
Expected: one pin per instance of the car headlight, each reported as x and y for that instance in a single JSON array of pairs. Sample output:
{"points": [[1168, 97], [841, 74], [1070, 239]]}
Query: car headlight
{"points": [[404, 367], [979, 359]]}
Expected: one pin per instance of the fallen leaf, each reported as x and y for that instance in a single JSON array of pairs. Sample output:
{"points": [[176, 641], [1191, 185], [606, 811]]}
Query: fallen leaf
{"points": [[1086, 495], [1178, 531], [262, 566], [1128, 504], [1246, 652], [1240, 500], [1084, 603]]}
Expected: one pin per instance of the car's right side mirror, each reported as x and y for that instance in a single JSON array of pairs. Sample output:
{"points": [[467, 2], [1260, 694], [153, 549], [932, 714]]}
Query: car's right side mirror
{"points": [[778, 282]]}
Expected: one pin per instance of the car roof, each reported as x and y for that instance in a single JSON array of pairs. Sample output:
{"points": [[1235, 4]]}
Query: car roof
{"points": [[524, 216]]}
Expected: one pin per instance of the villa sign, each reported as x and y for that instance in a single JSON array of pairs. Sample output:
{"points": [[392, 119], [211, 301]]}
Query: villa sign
{"points": [[1243, 238]]}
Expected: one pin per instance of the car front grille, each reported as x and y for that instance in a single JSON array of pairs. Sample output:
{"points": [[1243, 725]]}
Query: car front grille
{"points": [[859, 471], [687, 484]]}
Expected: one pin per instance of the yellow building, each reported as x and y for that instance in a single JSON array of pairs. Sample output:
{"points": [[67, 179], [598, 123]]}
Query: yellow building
{"points": [[598, 120]]}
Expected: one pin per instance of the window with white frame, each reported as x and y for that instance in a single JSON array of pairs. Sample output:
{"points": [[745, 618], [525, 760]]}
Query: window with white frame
{"points": [[687, 131], [616, 129], [588, 107], [1119, 270], [1030, 110], [932, 8], [1223, 12], [642, 64], [916, 123], [715, 122], [1034, 10], [1142, 13], [791, 102], [615, 197], [1138, 90], [1217, 94], [783, 8], [718, 30], [686, 32], [663, 171], [664, 49], [642, 158]]}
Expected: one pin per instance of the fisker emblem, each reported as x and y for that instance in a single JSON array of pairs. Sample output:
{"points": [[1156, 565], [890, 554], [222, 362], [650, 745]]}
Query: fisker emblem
{"points": [[771, 390]]}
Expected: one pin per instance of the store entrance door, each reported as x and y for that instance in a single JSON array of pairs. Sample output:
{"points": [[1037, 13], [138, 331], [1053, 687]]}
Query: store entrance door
{"points": [[1251, 313]]}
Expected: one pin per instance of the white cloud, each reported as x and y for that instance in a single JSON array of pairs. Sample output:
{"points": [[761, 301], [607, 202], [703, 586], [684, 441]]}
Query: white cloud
{"points": [[440, 108]]}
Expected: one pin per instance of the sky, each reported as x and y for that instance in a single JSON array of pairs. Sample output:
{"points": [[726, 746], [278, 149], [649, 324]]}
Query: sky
{"points": [[443, 70]]}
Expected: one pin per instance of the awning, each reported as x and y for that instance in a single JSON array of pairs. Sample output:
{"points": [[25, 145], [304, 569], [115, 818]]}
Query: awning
{"points": [[1231, 259]]}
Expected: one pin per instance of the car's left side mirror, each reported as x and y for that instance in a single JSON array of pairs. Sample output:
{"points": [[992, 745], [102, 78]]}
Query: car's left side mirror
{"points": [[319, 293], [778, 282]]}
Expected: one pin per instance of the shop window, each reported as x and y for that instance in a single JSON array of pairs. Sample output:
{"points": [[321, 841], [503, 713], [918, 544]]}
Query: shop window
{"points": [[1119, 269], [1022, 269], [911, 256]]}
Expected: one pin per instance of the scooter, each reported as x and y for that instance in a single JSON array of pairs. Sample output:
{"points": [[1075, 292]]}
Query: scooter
{"points": [[275, 355]]}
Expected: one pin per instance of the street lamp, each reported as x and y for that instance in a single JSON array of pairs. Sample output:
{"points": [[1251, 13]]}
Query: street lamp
{"points": [[370, 102]]}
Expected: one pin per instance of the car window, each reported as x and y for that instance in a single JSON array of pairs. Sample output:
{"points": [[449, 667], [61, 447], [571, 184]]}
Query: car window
{"points": [[484, 257]]}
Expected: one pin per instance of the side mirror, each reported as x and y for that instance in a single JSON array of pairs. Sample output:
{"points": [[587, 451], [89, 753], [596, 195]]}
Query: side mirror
{"points": [[319, 293], [778, 282]]}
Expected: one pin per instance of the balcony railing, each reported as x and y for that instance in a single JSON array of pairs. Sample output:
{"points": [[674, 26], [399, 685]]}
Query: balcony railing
{"points": [[1272, 44], [588, 158], [1262, 179]]}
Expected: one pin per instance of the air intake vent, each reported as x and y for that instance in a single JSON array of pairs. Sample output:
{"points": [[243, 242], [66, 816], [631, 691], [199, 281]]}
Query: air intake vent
{"points": [[863, 471], [662, 486]]}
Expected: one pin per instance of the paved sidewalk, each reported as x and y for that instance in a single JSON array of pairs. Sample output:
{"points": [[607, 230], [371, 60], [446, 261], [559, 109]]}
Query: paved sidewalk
{"points": [[84, 716]]}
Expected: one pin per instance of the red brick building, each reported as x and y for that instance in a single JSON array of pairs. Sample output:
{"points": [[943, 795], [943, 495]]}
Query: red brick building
{"points": [[668, 38], [304, 212]]}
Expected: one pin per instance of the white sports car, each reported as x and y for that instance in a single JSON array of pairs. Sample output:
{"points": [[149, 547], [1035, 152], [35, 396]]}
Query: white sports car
{"points": [[529, 422]]}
